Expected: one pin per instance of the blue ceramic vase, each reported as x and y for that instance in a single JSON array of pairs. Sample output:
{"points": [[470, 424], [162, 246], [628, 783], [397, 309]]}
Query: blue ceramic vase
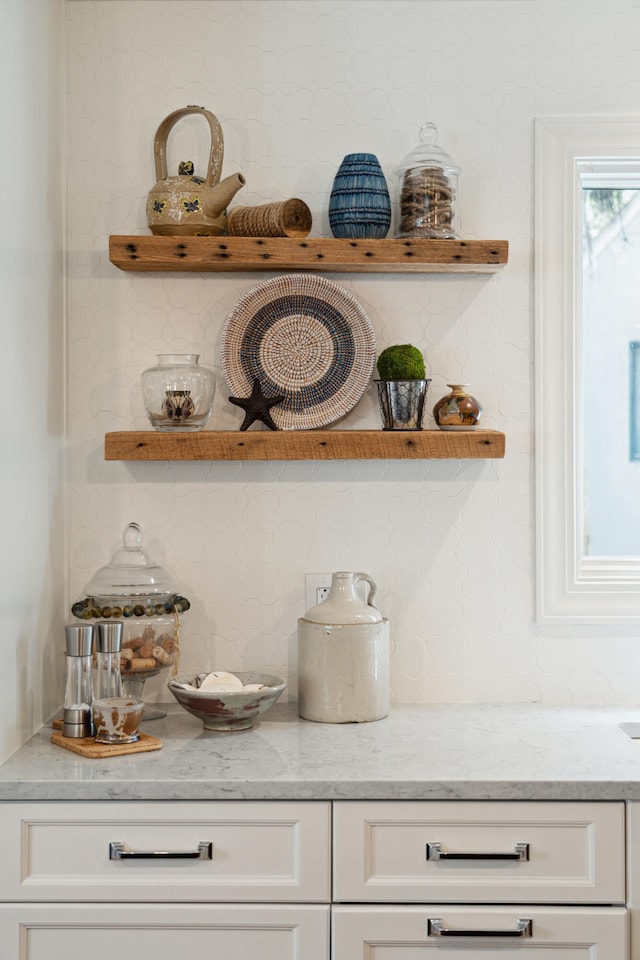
{"points": [[359, 206]]}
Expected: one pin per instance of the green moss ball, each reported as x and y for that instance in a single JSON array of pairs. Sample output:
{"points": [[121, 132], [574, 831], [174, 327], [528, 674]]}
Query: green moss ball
{"points": [[401, 362]]}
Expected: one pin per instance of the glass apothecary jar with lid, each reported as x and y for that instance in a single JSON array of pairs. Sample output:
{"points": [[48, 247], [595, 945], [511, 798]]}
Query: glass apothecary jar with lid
{"points": [[138, 592], [428, 188]]}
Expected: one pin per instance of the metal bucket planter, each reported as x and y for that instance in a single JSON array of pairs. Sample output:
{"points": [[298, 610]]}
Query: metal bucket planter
{"points": [[402, 403]]}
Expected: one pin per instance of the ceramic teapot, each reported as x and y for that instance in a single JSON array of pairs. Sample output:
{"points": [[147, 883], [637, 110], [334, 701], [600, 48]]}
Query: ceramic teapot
{"points": [[188, 205]]}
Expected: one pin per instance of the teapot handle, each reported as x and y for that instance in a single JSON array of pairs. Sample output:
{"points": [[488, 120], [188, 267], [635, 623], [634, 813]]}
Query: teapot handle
{"points": [[357, 577], [216, 153]]}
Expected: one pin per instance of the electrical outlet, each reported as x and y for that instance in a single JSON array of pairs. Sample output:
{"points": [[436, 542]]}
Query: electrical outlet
{"points": [[316, 588]]}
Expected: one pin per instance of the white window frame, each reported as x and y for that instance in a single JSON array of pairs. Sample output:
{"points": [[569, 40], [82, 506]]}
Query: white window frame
{"points": [[570, 587]]}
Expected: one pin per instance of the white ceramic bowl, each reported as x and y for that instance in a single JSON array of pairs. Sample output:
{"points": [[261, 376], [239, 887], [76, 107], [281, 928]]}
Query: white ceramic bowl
{"points": [[229, 709]]}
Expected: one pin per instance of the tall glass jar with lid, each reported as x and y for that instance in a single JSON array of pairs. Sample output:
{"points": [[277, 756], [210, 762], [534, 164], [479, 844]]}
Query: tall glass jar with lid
{"points": [[138, 592], [428, 188]]}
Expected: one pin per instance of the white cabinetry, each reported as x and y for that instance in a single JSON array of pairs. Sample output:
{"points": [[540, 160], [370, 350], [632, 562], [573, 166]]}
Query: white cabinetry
{"points": [[170, 931], [256, 851], [479, 933], [411, 880], [187, 880], [480, 872]]}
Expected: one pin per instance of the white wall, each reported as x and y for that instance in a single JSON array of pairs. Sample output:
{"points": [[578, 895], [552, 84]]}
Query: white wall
{"points": [[32, 555], [296, 85]]}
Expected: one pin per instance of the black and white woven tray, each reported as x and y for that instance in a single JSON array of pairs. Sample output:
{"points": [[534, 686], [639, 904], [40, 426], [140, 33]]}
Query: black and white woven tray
{"points": [[305, 338]]}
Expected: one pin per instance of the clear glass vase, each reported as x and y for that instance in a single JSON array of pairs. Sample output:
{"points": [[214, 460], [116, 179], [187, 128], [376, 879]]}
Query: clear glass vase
{"points": [[178, 393]]}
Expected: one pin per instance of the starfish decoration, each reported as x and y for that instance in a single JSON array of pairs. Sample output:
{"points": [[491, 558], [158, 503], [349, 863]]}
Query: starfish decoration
{"points": [[257, 406]]}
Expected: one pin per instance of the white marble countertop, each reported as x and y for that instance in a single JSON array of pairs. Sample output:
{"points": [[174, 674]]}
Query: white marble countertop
{"points": [[417, 752]]}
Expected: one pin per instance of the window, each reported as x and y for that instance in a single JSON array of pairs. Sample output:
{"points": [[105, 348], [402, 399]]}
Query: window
{"points": [[634, 400], [587, 263], [610, 319]]}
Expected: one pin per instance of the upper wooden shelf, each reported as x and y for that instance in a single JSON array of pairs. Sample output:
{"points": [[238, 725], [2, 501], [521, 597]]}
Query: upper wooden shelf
{"points": [[305, 445], [315, 253]]}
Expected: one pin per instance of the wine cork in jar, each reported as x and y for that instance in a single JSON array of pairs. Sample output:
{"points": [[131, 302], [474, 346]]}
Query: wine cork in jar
{"points": [[426, 203]]}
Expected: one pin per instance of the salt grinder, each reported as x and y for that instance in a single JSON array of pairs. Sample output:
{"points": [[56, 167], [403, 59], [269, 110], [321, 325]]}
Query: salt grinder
{"points": [[77, 719], [108, 644]]}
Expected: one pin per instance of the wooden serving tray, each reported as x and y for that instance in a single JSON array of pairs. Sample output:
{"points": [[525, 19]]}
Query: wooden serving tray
{"points": [[87, 746]]}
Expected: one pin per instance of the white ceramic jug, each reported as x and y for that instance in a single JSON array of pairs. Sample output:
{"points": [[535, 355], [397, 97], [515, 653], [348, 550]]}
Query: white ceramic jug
{"points": [[343, 656]]}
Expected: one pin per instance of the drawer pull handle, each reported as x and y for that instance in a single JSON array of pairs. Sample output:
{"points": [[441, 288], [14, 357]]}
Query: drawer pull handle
{"points": [[524, 928], [118, 852], [435, 852]]}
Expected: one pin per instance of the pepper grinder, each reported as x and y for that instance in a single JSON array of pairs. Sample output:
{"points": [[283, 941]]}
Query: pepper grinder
{"points": [[108, 644], [77, 718]]}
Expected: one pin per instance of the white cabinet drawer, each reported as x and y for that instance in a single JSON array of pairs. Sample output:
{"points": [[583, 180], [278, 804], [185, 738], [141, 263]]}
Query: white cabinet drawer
{"points": [[575, 852], [259, 851], [164, 932], [403, 933]]}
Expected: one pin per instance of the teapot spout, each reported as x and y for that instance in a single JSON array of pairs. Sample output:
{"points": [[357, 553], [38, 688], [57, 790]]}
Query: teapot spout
{"points": [[222, 194]]}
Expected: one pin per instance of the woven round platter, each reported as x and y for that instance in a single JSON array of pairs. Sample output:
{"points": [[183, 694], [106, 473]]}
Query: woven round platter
{"points": [[305, 338]]}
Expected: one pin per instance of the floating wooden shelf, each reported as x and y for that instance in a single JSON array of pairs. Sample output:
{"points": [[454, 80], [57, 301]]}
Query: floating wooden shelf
{"points": [[305, 445], [315, 254]]}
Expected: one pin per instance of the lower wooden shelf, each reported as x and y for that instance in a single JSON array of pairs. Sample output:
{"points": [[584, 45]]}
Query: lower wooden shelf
{"points": [[305, 445]]}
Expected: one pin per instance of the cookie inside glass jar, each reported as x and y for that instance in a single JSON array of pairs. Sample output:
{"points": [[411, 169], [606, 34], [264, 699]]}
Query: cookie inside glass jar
{"points": [[428, 180]]}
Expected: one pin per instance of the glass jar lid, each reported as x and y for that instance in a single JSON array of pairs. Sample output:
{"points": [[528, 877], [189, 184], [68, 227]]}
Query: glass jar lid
{"points": [[131, 573], [428, 153]]}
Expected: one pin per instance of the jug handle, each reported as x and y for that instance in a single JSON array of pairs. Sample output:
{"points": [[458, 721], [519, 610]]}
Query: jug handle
{"points": [[216, 153], [357, 577]]}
